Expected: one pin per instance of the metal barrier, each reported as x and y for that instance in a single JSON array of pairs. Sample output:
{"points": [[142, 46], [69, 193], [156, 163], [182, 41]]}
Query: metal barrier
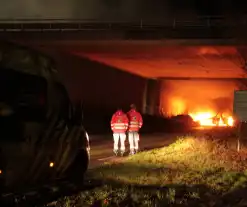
{"points": [[36, 25]]}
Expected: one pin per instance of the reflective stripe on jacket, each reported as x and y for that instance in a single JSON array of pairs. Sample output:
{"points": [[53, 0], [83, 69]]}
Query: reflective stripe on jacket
{"points": [[135, 121], [119, 122]]}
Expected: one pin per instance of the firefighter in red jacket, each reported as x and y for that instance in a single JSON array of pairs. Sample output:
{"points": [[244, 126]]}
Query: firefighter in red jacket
{"points": [[135, 123], [119, 126]]}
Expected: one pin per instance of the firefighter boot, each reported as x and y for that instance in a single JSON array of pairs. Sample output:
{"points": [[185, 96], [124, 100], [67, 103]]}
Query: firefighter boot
{"points": [[122, 153], [132, 152], [115, 152]]}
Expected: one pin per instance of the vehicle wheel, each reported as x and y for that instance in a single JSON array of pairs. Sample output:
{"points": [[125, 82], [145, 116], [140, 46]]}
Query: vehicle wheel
{"points": [[78, 168]]}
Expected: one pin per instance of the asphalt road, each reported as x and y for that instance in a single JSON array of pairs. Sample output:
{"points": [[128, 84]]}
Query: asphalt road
{"points": [[102, 146]]}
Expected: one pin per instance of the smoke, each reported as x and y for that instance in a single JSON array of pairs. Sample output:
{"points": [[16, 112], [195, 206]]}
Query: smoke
{"points": [[124, 10], [35, 9], [180, 97]]}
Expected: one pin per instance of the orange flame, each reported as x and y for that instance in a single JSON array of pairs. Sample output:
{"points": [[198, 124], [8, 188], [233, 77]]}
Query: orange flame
{"points": [[208, 103], [210, 119], [203, 117]]}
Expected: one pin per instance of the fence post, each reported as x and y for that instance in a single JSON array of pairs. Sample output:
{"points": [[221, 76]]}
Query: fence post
{"points": [[239, 136], [144, 98]]}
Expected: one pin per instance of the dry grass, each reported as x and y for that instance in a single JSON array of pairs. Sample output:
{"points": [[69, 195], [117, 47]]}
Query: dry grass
{"points": [[190, 172]]}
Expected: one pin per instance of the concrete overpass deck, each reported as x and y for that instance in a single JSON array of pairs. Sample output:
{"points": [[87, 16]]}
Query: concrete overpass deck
{"points": [[67, 29], [156, 59], [85, 56], [157, 51]]}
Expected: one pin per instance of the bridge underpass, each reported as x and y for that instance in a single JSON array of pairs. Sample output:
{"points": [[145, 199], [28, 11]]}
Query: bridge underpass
{"points": [[197, 76], [185, 76], [191, 78], [206, 74], [207, 58]]}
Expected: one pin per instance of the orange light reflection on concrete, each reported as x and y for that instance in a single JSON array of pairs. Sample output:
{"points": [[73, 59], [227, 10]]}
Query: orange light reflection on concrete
{"points": [[157, 60]]}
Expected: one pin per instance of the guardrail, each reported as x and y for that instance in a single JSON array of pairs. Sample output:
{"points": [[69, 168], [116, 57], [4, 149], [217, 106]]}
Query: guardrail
{"points": [[36, 25]]}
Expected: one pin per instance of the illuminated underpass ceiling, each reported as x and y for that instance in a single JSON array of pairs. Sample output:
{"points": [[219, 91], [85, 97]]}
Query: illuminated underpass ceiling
{"points": [[168, 61]]}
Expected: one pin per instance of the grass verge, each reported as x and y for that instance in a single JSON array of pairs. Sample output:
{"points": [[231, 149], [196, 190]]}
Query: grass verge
{"points": [[189, 172]]}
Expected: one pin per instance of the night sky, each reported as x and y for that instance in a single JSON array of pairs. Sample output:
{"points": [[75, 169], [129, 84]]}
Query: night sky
{"points": [[118, 9]]}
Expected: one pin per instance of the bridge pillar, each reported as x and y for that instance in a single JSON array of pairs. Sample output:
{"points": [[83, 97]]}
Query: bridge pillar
{"points": [[151, 97]]}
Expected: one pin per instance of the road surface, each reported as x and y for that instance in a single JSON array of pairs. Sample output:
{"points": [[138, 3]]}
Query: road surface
{"points": [[102, 146]]}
